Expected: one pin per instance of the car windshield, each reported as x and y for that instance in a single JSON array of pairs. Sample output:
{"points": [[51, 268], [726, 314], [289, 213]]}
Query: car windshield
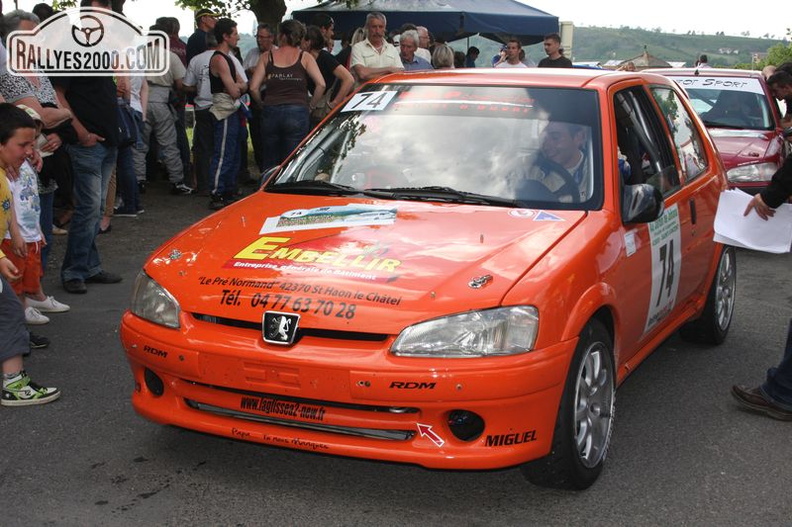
{"points": [[729, 102], [501, 146]]}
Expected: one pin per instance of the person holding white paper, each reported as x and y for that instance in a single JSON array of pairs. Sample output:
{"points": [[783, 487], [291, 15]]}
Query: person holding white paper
{"points": [[777, 192], [774, 397]]}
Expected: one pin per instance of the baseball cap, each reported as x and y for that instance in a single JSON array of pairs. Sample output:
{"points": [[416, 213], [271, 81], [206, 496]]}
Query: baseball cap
{"points": [[206, 12], [31, 112], [41, 139]]}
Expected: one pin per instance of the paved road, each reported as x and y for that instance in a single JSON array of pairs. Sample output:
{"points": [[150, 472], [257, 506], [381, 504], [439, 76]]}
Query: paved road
{"points": [[682, 453]]}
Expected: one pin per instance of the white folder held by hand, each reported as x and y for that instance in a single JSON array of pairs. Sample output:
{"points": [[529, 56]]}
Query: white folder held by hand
{"points": [[752, 232]]}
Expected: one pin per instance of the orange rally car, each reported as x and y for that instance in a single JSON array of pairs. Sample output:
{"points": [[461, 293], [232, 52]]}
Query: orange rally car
{"points": [[456, 269]]}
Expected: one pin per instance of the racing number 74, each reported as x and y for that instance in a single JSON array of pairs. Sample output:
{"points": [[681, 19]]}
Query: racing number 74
{"points": [[369, 101], [667, 275]]}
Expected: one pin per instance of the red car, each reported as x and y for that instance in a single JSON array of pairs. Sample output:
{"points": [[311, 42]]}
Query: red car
{"points": [[743, 118]]}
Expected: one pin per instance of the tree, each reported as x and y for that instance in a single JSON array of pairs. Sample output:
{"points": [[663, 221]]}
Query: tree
{"points": [[777, 55], [268, 11], [117, 5]]}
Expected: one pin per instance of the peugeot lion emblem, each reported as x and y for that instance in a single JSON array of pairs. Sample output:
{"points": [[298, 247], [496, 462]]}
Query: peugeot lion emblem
{"points": [[280, 328]]}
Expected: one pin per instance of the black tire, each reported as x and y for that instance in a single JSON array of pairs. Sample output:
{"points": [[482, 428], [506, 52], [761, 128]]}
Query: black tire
{"points": [[581, 438], [713, 324]]}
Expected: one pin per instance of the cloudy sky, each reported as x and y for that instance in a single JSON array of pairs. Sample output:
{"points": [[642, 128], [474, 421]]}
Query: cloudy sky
{"points": [[672, 16]]}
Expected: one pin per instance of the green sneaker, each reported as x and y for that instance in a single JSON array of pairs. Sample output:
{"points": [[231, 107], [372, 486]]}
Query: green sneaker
{"points": [[21, 391]]}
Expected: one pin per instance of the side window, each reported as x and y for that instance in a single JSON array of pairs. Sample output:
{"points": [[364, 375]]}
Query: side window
{"points": [[687, 139], [642, 142]]}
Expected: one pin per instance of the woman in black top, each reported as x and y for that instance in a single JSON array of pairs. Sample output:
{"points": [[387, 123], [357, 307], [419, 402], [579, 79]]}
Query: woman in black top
{"points": [[286, 70], [338, 80]]}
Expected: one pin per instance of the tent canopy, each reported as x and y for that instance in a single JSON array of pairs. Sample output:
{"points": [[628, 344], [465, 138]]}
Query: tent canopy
{"points": [[448, 19]]}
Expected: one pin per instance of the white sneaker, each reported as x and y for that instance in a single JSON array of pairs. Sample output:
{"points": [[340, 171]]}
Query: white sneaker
{"points": [[34, 317], [49, 305]]}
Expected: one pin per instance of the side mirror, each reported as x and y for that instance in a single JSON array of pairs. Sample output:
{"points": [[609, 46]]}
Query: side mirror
{"points": [[641, 203]]}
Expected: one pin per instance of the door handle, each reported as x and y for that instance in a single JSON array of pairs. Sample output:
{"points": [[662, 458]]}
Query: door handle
{"points": [[693, 211]]}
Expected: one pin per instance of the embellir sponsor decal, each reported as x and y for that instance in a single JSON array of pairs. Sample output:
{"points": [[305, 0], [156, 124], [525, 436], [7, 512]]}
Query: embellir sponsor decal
{"points": [[274, 252]]}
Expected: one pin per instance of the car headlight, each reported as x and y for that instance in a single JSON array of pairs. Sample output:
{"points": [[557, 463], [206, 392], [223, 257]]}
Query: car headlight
{"points": [[501, 331], [752, 173], [152, 302]]}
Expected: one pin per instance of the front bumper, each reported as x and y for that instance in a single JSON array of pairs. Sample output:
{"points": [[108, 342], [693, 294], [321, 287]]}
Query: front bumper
{"points": [[345, 398]]}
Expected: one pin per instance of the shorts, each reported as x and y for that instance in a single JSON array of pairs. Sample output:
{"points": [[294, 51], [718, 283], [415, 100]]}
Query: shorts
{"points": [[29, 267]]}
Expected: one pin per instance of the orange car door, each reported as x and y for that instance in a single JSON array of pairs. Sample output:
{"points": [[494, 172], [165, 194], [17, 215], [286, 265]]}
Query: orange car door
{"points": [[702, 185], [654, 271]]}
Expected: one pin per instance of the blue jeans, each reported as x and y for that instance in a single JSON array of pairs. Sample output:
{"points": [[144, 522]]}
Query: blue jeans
{"points": [[92, 166], [127, 180], [255, 137], [125, 170], [47, 199], [282, 128], [203, 147], [225, 159], [778, 386]]}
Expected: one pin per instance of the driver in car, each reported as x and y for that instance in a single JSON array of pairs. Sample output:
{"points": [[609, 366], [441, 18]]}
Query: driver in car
{"points": [[733, 109], [562, 165]]}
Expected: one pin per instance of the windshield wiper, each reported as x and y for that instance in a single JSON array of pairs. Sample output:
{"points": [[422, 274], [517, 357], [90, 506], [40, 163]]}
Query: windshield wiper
{"points": [[716, 124], [437, 193], [313, 186]]}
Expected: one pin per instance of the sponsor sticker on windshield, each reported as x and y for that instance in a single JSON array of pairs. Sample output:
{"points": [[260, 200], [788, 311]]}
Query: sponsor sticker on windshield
{"points": [[330, 217]]}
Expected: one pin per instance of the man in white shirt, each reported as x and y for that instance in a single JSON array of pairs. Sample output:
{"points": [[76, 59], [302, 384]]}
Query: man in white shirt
{"points": [[374, 57], [161, 120], [703, 62], [265, 42], [512, 59], [423, 44]]}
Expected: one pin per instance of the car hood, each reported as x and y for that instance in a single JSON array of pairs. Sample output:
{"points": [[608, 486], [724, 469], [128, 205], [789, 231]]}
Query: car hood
{"points": [[738, 147], [375, 266]]}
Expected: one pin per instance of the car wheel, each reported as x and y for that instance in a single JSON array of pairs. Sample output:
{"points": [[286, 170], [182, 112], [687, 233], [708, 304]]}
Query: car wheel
{"points": [[585, 417], [713, 324]]}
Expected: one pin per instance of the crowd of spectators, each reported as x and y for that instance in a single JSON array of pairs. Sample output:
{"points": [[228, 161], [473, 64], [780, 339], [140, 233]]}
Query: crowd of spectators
{"points": [[100, 139]]}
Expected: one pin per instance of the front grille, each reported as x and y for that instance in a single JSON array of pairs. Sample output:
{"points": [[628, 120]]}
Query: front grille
{"points": [[372, 433], [301, 332]]}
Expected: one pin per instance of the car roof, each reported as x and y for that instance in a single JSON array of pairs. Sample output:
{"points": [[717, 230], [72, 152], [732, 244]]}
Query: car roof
{"points": [[707, 72], [555, 77]]}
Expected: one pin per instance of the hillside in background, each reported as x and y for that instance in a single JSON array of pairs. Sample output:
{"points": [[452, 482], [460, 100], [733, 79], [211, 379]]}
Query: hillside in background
{"points": [[600, 44], [603, 44]]}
